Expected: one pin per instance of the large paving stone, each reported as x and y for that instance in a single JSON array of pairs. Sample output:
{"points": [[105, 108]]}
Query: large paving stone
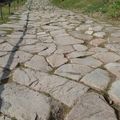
{"points": [[78, 35], [97, 79], [56, 60], [98, 49], [107, 57], [80, 47], [64, 49], [50, 48], [21, 103], [78, 54], [36, 48], [91, 106], [114, 68], [73, 71], [38, 63], [89, 61], [60, 88], [66, 40]]}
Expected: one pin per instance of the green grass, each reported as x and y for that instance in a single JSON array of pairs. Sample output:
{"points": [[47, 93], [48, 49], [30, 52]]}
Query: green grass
{"points": [[106, 7], [5, 10]]}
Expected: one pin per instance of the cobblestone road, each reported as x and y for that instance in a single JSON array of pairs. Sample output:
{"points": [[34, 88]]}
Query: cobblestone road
{"points": [[58, 65]]}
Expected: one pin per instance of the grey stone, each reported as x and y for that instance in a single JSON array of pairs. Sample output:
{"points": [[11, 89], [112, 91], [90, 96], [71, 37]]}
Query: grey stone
{"points": [[69, 70], [114, 68], [91, 106], [89, 61], [80, 47], [114, 93], [56, 60], [60, 88], [38, 63], [78, 54], [30, 103], [97, 79], [107, 57]]}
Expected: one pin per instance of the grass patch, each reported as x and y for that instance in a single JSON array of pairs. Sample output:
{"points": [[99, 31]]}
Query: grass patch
{"points": [[109, 8]]}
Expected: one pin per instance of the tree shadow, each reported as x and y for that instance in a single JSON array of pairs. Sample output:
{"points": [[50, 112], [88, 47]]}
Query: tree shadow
{"points": [[6, 70]]}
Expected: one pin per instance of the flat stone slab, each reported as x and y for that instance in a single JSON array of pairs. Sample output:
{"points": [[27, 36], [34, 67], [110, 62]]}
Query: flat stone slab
{"points": [[91, 106], [38, 63], [78, 35], [107, 57], [89, 61], [36, 48], [78, 54], [56, 60], [31, 104], [60, 88], [64, 49], [114, 68], [73, 71], [67, 40], [80, 47], [114, 93], [97, 79]]}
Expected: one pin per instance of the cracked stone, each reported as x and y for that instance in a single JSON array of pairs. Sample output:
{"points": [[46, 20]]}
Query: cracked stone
{"points": [[97, 79], [107, 57], [114, 68], [73, 71], [80, 47], [30, 103], [64, 49], [38, 63], [60, 88], [50, 48], [78, 54], [91, 106], [56, 60], [89, 61]]}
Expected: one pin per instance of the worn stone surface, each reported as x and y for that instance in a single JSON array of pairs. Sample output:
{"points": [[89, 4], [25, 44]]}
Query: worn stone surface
{"points": [[49, 51], [91, 106], [114, 93], [56, 60], [30, 103], [107, 57], [60, 88], [97, 79], [114, 68], [89, 61], [38, 63]]}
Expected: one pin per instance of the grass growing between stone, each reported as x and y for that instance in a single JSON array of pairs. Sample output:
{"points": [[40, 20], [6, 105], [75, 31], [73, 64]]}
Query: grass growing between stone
{"points": [[109, 8]]}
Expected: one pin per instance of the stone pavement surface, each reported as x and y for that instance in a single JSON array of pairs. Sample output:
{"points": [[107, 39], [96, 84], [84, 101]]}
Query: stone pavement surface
{"points": [[58, 65]]}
